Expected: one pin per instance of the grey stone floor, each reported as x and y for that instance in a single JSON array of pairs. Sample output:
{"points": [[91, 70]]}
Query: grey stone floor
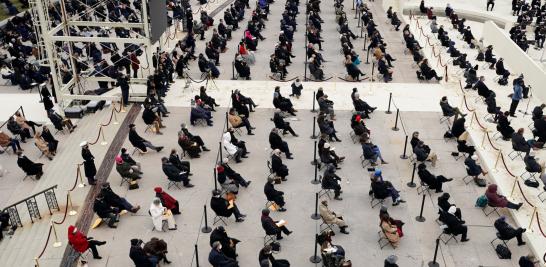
{"points": [[417, 246]]}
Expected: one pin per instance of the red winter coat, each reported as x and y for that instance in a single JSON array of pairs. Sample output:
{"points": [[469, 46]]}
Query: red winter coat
{"points": [[77, 240], [168, 201], [495, 199], [135, 63]]}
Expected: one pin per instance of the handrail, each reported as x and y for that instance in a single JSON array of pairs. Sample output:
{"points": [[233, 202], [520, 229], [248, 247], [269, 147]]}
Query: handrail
{"points": [[36, 194]]}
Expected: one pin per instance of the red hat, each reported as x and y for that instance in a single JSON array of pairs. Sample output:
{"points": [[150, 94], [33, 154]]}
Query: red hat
{"points": [[158, 189]]}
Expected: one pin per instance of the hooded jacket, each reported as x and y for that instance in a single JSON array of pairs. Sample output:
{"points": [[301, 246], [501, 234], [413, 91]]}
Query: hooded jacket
{"points": [[77, 240], [494, 199]]}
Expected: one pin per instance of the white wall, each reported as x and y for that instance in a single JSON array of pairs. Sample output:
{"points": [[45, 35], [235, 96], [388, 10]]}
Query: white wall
{"points": [[516, 60]]}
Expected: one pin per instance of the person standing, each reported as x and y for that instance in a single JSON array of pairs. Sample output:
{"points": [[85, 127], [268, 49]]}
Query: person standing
{"points": [[516, 97], [88, 163], [123, 83]]}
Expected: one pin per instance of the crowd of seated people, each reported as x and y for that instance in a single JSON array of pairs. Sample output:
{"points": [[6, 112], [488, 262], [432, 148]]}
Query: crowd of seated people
{"points": [[281, 57]]}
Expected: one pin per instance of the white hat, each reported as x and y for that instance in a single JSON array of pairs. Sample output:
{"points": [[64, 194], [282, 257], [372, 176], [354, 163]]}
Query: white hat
{"points": [[452, 209], [474, 157], [326, 145], [277, 151], [83, 143], [225, 160]]}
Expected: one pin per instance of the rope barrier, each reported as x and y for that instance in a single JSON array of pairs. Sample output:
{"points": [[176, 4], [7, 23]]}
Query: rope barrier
{"points": [[47, 242], [98, 137], [189, 77], [540, 227], [466, 105], [524, 197], [478, 121], [491, 143], [65, 210], [506, 167]]}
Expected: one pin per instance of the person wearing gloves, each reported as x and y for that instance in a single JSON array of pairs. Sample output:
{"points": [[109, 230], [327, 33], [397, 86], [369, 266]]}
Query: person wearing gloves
{"points": [[82, 243]]}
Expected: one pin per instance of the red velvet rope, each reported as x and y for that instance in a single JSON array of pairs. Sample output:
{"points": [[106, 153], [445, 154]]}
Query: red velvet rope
{"points": [[524, 197], [476, 116], [506, 167], [539, 226], [98, 137], [65, 211], [491, 143], [466, 104], [47, 242]]}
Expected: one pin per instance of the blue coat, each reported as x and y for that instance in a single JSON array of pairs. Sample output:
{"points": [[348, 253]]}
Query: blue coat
{"points": [[518, 92]]}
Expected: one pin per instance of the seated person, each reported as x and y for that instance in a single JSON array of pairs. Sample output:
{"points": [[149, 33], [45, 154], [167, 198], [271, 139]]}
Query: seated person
{"points": [[390, 230], [114, 200], [281, 124], [482, 88], [24, 123], [157, 248], [151, 118], [448, 110], [520, 144], [192, 148], [385, 70], [507, 232], [333, 255], [28, 166], [434, 182], [265, 257], [330, 217], [209, 101], [371, 152], [494, 199], [362, 107], [6, 140], [538, 112], [240, 103], [242, 68], [454, 224], [326, 106], [492, 107], [462, 145], [296, 88], [59, 122], [238, 121], [474, 169], [489, 57], [427, 71], [140, 142], [223, 207], [198, 112], [126, 170], [503, 126], [327, 127], [182, 165], [471, 76], [444, 205], [139, 256], [422, 155], [327, 157], [218, 258], [14, 128], [272, 227], [48, 137], [533, 164], [229, 244], [194, 138], [277, 166], [330, 180], [458, 127], [81, 243], [276, 142], [43, 146], [382, 189], [174, 174], [160, 214], [500, 70], [106, 211], [274, 195], [358, 125], [167, 200], [284, 104], [236, 152], [232, 174]]}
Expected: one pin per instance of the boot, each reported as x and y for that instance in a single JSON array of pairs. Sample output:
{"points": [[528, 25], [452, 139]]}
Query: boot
{"points": [[344, 230]]}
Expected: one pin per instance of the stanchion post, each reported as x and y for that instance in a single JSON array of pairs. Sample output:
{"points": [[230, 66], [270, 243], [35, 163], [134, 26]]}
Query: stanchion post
{"points": [[196, 256], [57, 242], [233, 70], [532, 218], [365, 39], [206, 228], [220, 151], [215, 179], [315, 258], [103, 143], [367, 54], [314, 161], [72, 212], [373, 69], [395, 128], [420, 218], [315, 215], [389, 106], [433, 263], [314, 99], [314, 135], [403, 156], [315, 180], [411, 183]]}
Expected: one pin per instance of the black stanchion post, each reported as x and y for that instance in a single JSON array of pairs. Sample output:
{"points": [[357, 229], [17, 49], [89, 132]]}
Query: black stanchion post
{"points": [[365, 38], [412, 184], [367, 55], [433, 263], [358, 25], [215, 179], [314, 99], [196, 256], [233, 70], [316, 216], [206, 228], [356, 12], [403, 156], [420, 218], [373, 69], [314, 161], [314, 136], [315, 180], [220, 151], [315, 258], [389, 107], [395, 128], [227, 121]]}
